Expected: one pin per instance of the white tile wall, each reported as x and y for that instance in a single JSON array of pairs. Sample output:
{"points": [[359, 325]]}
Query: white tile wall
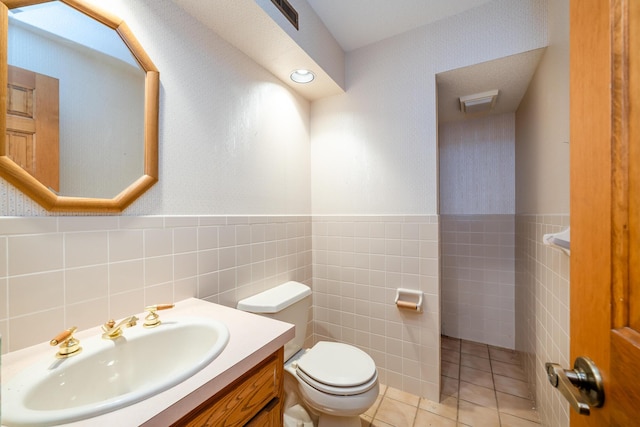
{"points": [[65, 271], [57, 272], [358, 262], [542, 310], [478, 282]]}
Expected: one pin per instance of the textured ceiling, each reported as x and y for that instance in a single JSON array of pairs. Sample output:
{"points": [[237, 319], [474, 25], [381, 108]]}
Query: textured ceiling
{"points": [[510, 75], [357, 23]]}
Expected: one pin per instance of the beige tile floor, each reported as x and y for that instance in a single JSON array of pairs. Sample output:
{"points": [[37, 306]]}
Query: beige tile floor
{"points": [[481, 386]]}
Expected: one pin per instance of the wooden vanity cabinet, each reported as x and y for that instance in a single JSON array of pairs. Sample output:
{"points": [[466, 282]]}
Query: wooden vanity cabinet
{"points": [[255, 399]]}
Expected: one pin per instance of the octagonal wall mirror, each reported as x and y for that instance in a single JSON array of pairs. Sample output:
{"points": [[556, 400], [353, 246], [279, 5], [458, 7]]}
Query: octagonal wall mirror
{"points": [[80, 127]]}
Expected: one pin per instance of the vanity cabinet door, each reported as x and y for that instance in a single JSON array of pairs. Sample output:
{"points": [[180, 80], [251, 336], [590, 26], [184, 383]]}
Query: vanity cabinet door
{"points": [[270, 416], [254, 399]]}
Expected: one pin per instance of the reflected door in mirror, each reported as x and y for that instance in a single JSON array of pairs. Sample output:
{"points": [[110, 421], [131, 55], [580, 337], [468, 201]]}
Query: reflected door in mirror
{"points": [[33, 124]]}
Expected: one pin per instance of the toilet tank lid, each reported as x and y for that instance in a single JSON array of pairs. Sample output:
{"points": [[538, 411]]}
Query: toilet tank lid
{"points": [[275, 299]]}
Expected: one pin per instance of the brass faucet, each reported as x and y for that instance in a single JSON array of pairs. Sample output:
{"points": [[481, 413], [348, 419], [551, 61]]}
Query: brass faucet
{"points": [[152, 319], [113, 330], [69, 345]]}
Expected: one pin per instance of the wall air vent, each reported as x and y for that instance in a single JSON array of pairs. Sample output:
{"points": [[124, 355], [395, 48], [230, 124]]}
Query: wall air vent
{"points": [[288, 11]]}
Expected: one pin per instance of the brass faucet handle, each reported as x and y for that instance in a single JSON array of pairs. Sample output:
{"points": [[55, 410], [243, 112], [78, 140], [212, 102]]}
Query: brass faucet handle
{"points": [[63, 336], [108, 325], [153, 319], [69, 345], [159, 307]]}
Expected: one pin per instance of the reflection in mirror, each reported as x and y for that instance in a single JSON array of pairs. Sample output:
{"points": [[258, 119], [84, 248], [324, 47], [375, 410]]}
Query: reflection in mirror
{"points": [[81, 107], [101, 100]]}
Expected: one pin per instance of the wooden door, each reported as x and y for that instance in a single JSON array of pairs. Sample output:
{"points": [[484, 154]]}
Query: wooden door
{"points": [[33, 124], [605, 202]]}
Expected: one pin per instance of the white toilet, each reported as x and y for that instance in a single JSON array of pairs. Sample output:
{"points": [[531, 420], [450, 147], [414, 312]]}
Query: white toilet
{"points": [[336, 381]]}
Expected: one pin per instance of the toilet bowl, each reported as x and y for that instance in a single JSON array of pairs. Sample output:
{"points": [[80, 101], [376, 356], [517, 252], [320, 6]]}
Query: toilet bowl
{"points": [[335, 381]]}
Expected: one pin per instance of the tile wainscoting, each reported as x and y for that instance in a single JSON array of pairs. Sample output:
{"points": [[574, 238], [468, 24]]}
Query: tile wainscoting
{"points": [[56, 272], [542, 310], [358, 262], [478, 280]]}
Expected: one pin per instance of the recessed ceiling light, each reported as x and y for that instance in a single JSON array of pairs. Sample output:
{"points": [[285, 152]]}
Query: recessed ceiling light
{"points": [[302, 76]]}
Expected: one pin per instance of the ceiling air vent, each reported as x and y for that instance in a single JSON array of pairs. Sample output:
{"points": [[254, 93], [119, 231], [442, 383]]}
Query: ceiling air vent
{"points": [[479, 102], [288, 11]]}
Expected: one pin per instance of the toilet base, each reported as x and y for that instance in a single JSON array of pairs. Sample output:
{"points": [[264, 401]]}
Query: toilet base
{"points": [[327, 420]]}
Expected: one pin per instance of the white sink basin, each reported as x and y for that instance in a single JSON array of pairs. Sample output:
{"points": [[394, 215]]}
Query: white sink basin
{"points": [[108, 374]]}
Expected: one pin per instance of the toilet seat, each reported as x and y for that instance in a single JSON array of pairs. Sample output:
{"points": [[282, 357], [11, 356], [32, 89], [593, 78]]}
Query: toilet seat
{"points": [[338, 369], [338, 391]]}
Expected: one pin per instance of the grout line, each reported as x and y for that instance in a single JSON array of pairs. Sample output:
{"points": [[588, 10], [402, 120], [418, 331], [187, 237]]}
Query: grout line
{"points": [[415, 416], [495, 392], [382, 397], [459, 379]]}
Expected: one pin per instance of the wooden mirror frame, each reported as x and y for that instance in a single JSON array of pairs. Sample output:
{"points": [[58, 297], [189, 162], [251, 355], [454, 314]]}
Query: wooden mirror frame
{"points": [[29, 185]]}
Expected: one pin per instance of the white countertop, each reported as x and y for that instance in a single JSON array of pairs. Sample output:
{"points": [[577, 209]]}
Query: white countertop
{"points": [[252, 338]]}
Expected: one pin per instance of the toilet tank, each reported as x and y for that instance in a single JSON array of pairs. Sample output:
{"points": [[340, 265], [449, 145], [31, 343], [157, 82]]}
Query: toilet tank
{"points": [[289, 303]]}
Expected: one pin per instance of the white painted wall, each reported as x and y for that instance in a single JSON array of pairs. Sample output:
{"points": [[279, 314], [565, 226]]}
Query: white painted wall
{"points": [[374, 149], [477, 166], [542, 126], [233, 138]]}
